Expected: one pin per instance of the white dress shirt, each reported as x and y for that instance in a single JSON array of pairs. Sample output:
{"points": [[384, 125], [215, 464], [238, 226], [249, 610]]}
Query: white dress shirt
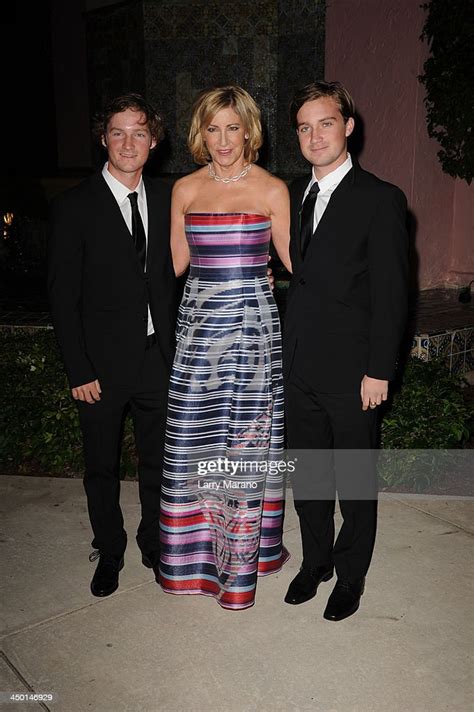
{"points": [[327, 186], [120, 193]]}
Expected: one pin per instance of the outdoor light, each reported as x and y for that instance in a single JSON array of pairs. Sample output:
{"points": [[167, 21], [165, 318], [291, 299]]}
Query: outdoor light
{"points": [[7, 221]]}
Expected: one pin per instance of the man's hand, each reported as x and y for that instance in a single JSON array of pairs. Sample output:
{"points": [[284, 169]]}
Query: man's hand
{"points": [[270, 277], [372, 392], [89, 392]]}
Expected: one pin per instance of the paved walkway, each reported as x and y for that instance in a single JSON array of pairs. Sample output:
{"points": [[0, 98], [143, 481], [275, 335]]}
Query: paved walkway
{"points": [[141, 650]]}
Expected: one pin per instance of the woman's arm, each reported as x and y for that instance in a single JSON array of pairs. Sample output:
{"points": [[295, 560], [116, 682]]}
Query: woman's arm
{"points": [[179, 244], [280, 214]]}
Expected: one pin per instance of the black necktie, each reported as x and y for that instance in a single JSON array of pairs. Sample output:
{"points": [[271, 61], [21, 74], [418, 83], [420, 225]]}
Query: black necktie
{"points": [[307, 218], [138, 231]]}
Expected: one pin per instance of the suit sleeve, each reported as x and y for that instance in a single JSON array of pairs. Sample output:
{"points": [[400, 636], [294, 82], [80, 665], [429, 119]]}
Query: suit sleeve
{"points": [[65, 274], [388, 271]]}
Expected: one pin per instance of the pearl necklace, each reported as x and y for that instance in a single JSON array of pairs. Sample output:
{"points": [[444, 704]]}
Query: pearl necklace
{"points": [[233, 179]]}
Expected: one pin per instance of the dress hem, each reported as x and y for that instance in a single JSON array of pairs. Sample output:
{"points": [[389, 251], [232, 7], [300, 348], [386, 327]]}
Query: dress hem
{"points": [[229, 607]]}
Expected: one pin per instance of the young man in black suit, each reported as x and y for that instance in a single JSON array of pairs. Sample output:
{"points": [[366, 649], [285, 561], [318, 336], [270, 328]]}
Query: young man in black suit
{"points": [[344, 321], [113, 304]]}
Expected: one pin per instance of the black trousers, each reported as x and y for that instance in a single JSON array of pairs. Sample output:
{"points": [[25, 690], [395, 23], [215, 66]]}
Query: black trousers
{"points": [[334, 427], [102, 427]]}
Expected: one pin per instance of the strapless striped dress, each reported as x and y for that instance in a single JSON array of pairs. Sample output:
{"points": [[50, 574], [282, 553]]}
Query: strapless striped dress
{"points": [[223, 488]]}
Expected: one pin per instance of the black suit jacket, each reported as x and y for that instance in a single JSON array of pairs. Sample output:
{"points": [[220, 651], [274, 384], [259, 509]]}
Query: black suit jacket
{"points": [[98, 291], [347, 300]]}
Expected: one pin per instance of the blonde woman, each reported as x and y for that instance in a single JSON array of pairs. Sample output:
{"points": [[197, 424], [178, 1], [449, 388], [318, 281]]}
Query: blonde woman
{"points": [[222, 494]]}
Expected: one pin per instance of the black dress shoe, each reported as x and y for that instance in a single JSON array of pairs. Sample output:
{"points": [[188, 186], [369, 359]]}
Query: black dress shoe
{"points": [[150, 559], [106, 577], [305, 584], [344, 599]]}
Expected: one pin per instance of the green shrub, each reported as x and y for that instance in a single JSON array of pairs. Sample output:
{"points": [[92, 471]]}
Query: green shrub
{"points": [[428, 417], [447, 77], [40, 434], [39, 424]]}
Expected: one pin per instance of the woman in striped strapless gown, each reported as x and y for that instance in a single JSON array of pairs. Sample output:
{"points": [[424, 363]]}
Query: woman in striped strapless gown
{"points": [[223, 480]]}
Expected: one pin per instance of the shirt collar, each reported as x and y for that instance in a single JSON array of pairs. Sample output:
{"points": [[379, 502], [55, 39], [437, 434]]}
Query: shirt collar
{"points": [[119, 190], [334, 178]]}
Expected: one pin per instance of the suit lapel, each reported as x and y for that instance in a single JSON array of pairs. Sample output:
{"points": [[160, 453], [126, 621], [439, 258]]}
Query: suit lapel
{"points": [[152, 209], [158, 219], [116, 225], [298, 188], [336, 203]]}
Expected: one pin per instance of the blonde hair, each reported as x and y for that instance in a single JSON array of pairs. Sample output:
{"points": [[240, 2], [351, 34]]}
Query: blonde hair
{"points": [[206, 106]]}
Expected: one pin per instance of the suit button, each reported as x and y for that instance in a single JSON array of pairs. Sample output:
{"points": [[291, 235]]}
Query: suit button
{"points": [[302, 281]]}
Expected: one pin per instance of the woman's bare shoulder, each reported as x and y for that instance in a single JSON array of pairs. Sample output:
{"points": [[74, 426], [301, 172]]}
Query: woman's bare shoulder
{"points": [[270, 181], [185, 187]]}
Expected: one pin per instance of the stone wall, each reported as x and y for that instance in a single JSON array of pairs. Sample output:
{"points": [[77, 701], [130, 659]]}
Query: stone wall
{"points": [[171, 49]]}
